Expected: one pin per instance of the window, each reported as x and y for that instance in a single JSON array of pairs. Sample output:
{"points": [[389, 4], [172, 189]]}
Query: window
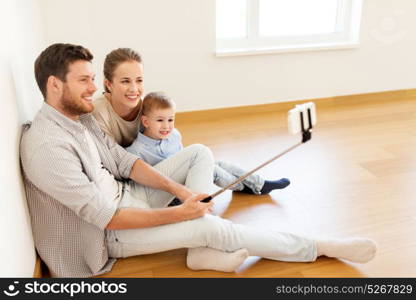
{"points": [[264, 26]]}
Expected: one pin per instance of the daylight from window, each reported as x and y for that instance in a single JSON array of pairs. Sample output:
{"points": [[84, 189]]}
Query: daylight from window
{"points": [[282, 25], [297, 17]]}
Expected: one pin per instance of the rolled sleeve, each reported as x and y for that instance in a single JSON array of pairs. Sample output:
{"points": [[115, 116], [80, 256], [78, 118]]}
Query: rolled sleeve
{"points": [[104, 215], [126, 163], [124, 159]]}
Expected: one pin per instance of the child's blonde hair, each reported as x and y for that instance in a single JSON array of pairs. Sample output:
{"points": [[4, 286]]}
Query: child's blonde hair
{"points": [[156, 100]]}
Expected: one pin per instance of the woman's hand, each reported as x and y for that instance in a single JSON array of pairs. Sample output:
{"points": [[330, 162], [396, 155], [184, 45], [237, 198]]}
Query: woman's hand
{"points": [[193, 208]]}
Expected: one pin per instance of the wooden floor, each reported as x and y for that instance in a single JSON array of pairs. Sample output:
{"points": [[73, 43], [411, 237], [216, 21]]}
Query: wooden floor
{"points": [[356, 177]]}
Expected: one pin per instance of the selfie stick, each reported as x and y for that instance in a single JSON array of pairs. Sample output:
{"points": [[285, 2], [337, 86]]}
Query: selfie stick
{"points": [[299, 112]]}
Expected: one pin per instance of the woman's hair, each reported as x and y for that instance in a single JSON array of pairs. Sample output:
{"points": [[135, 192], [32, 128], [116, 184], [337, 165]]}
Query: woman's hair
{"points": [[115, 58], [156, 100]]}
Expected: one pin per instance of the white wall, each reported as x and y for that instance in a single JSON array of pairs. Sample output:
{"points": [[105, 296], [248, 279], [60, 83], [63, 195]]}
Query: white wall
{"points": [[177, 40], [20, 29]]}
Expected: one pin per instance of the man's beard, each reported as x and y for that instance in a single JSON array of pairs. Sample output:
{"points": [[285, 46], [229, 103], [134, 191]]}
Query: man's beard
{"points": [[73, 106]]}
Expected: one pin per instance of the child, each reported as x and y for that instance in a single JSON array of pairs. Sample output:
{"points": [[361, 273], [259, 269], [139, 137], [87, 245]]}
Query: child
{"points": [[158, 139]]}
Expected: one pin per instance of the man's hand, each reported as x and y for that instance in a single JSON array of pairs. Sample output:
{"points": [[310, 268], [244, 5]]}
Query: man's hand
{"points": [[193, 208]]}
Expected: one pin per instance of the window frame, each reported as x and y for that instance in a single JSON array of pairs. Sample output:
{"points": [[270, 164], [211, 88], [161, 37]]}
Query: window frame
{"points": [[346, 35]]}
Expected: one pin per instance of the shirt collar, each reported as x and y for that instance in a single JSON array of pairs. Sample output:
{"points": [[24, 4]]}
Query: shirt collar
{"points": [[70, 125], [147, 140]]}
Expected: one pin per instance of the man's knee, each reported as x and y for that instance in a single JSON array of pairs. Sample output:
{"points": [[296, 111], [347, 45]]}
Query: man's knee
{"points": [[212, 230]]}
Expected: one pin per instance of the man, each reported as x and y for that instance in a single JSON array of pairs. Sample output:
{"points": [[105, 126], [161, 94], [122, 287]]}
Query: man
{"points": [[84, 191]]}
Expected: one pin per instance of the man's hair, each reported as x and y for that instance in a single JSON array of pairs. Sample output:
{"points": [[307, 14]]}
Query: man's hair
{"points": [[55, 61], [115, 58], [156, 100]]}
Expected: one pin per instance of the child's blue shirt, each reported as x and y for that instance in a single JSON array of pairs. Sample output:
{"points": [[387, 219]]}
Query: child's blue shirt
{"points": [[154, 151]]}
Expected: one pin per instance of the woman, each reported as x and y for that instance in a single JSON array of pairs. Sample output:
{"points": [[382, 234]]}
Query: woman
{"points": [[117, 110]]}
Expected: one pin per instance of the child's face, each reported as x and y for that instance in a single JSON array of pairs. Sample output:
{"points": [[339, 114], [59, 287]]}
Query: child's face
{"points": [[159, 123]]}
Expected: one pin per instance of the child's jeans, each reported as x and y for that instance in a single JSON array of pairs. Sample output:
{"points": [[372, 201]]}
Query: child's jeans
{"points": [[225, 173]]}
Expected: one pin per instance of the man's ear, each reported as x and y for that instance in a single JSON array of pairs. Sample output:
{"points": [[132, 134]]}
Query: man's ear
{"points": [[54, 84], [107, 84], [144, 120]]}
